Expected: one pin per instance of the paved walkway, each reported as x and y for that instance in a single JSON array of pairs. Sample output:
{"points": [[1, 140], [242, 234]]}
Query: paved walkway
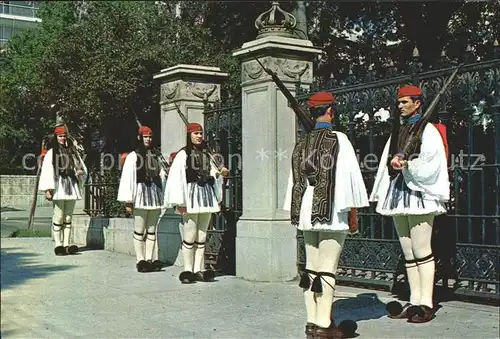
{"points": [[98, 294]]}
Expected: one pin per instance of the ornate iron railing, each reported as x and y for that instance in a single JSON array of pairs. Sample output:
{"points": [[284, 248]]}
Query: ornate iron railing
{"points": [[466, 241], [223, 130]]}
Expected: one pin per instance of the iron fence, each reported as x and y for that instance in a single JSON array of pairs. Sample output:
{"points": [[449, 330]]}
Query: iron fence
{"points": [[466, 241], [222, 124]]}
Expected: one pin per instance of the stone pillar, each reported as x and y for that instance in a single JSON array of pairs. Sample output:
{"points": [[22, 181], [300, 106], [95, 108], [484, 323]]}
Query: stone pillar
{"points": [[185, 86], [266, 241]]}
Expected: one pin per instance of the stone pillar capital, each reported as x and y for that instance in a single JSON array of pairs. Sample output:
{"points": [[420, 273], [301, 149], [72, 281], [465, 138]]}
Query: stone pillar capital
{"points": [[188, 87], [291, 59], [190, 83]]}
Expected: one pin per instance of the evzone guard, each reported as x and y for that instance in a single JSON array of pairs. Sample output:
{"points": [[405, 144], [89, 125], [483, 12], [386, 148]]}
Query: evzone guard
{"points": [[324, 190], [194, 188], [61, 178], [412, 186], [141, 188]]}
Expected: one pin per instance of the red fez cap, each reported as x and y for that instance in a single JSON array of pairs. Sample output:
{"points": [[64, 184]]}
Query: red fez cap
{"points": [[320, 99], [409, 91], [60, 130], [194, 127], [145, 130]]}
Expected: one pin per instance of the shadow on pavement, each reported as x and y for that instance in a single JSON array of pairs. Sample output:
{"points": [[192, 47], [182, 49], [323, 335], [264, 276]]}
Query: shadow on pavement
{"points": [[364, 306], [17, 267]]}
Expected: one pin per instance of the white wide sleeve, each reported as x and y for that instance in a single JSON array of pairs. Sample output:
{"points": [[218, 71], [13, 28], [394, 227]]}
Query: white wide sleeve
{"points": [[424, 172], [47, 177], [219, 181], [85, 174], [128, 180], [382, 179], [287, 204], [176, 186], [350, 190]]}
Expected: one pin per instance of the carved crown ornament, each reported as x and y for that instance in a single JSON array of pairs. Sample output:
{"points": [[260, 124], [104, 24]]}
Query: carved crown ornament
{"points": [[275, 21]]}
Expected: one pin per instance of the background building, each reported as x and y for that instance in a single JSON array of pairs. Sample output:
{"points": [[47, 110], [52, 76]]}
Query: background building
{"points": [[16, 16]]}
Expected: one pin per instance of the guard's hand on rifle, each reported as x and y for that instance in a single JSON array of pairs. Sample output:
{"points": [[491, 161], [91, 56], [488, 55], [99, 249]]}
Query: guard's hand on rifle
{"points": [[79, 173], [397, 163], [129, 208], [224, 172], [182, 210], [48, 195]]}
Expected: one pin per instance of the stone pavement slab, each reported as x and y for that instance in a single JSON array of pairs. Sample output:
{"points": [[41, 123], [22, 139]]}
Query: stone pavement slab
{"points": [[98, 294]]}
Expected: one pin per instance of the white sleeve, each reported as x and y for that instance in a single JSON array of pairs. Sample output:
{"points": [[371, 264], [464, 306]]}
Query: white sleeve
{"points": [[128, 180], [47, 177], [350, 190], [219, 181], [382, 179], [287, 204], [422, 172], [176, 186]]}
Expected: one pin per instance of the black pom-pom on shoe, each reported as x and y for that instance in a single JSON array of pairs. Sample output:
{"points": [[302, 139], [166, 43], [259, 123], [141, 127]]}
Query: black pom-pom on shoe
{"points": [[348, 328], [60, 250], [143, 266], [394, 308], [157, 265], [187, 277], [208, 275], [73, 249]]}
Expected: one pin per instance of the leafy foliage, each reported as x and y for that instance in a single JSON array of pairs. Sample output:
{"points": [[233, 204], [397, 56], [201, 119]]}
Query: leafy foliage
{"points": [[93, 62]]}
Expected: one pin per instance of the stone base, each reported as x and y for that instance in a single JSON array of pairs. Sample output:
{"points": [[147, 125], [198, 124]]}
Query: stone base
{"points": [[266, 250], [115, 234]]}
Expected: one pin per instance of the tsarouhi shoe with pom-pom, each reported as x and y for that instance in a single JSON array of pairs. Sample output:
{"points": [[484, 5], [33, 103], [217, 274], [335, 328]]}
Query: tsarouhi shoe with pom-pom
{"points": [[205, 276], [72, 249], [396, 310], [143, 266], [421, 314], [187, 277], [60, 250]]}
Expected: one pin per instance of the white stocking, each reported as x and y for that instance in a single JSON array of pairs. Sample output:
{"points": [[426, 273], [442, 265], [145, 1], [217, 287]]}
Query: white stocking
{"points": [[69, 207], [421, 233], [201, 236], [140, 217], [403, 229], [151, 223], [329, 251], [57, 222], [189, 233], [311, 246]]}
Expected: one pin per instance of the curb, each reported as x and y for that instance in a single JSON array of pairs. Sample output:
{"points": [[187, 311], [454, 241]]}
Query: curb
{"points": [[27, 218]]}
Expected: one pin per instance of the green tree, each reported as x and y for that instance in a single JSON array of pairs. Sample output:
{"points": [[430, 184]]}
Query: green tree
{"points": [[93, 63]]}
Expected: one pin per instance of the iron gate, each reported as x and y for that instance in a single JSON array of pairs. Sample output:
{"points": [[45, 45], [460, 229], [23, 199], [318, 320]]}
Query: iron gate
{"points": [[466, 241], [222, 124]]}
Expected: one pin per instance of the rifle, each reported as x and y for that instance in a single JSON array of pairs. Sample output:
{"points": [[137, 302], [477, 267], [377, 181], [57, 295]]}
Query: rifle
{"points": [[305, 120], [416, 134]]}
